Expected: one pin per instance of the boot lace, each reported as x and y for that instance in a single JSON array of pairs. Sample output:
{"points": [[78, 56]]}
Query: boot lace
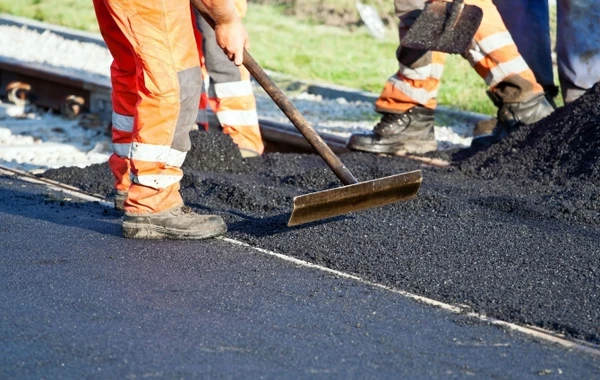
{"points": [[183, 210], [389, 124]]}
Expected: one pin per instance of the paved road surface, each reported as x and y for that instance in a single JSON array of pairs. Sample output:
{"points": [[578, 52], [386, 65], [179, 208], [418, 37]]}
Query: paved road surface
{"points": [[78, 301]]}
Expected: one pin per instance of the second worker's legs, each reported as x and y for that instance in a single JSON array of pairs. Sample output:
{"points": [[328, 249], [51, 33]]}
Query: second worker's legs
{"points": [[230, 94], [408, 100]]}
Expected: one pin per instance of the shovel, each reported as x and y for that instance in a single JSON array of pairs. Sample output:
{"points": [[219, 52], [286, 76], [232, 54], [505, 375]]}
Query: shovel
{"points": [[354, 196], [443, 26]]}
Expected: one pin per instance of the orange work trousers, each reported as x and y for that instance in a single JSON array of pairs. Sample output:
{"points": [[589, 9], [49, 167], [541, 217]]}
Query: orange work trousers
{"points": [[493, 55], [156, 85], [229, 92]]}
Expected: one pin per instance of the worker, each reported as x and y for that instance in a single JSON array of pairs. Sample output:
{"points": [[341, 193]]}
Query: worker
{"points": [[229, 94], [577, 42], [156, 82], [408, 100]]}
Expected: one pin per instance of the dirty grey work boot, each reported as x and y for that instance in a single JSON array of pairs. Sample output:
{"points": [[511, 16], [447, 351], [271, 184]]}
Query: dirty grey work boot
{"points": [[407, 132], [178, 223], [119, 200], [510, 117]]}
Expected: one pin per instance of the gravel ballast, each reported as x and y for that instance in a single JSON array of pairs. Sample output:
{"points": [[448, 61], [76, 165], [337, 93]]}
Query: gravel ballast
{"points": [[88, 61]]}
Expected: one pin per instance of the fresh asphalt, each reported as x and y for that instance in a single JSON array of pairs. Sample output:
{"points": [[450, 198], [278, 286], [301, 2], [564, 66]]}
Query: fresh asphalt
{"points": [[79, 301]]}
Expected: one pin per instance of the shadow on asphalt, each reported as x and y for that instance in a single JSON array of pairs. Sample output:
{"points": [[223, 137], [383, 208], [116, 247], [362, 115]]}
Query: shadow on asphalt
{"points": [[263, 226], [273, 225], [60, 208]]}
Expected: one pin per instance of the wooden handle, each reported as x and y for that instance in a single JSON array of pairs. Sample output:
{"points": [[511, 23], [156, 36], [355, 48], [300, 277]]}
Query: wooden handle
{"points": [[456, 8], [298, 120], [293, 114]]}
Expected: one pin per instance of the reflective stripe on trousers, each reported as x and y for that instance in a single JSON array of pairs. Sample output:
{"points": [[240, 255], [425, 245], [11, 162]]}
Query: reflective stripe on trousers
{"points": [[230, 93], [156, 83], [493, 55]]}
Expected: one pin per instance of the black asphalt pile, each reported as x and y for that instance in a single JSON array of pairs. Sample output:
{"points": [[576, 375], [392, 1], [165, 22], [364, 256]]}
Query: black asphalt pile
{"points": [[527, 254], [212, 152], [96, 180], [561, 148]]}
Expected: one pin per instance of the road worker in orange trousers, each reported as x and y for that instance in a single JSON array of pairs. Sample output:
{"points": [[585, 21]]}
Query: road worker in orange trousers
{"points": [[156, 82], [408, 100], [228, 90]]}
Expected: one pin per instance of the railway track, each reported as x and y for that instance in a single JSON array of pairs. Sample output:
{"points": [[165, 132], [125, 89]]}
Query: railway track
{"points": [[24, 82], [44, 86], [61, 90]]}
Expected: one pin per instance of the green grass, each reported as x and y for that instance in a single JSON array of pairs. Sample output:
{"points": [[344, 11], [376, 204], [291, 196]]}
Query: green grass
{"points": [[318, 52], [301, 49], [77, 14], [349, 58]]}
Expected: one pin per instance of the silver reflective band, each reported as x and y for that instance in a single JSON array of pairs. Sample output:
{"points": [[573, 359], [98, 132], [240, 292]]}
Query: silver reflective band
{"points": [[122, 122]]}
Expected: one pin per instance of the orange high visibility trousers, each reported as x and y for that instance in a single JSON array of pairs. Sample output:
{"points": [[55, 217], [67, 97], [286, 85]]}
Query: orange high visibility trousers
{"points": [[229, 91], [156, 82], [493, 55]]}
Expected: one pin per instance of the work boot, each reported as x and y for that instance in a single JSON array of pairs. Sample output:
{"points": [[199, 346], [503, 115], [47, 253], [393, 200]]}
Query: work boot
{"points": [[119, 200], [178, 223], [397, 133], [551, 92], [509, 118]]}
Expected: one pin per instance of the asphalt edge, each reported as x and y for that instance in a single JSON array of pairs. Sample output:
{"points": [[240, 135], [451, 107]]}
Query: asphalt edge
{"points": [[531, 331]]}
